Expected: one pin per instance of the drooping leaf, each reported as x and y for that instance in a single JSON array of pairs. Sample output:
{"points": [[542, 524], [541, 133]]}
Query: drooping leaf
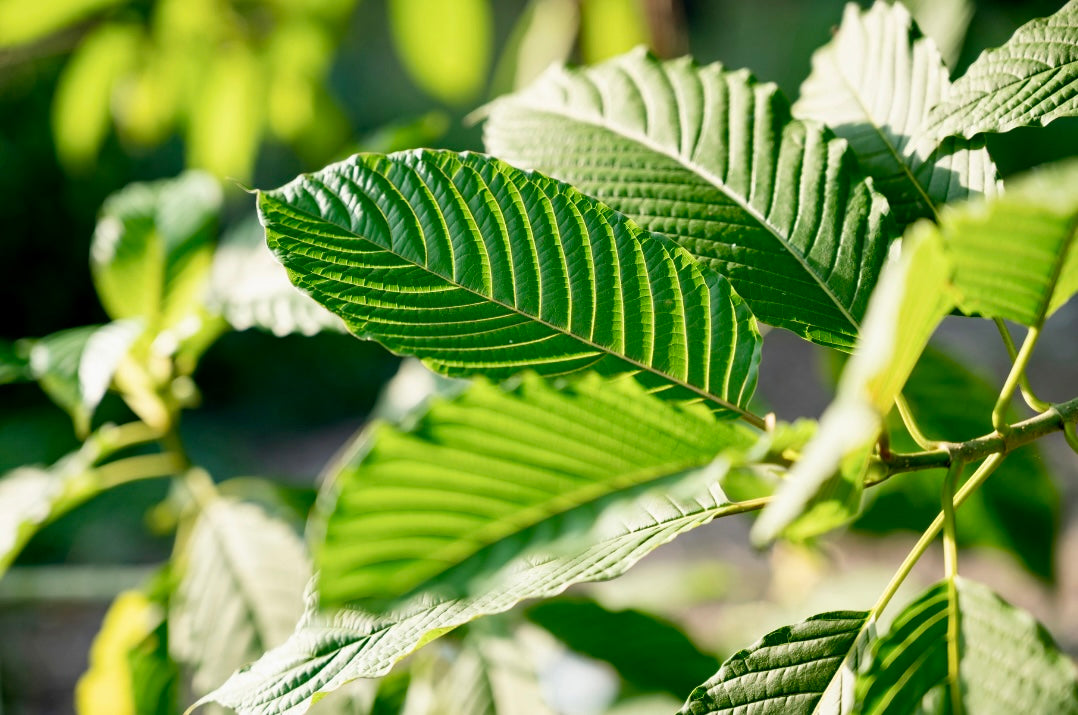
{"points": [[242, 579], [445, 46], [477, 267], [1007, 661], [784, 673], [251, 289], [152, 248], [712, 159], [1031, 79], [912, 299], [1018, 509], [648, 652], [1014, 257], [873, 84], [75, 367], [595, 542], [481, 475]]}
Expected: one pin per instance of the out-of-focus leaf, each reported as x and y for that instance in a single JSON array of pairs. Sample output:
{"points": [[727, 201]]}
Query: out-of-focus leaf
{"points": [[82, 104], [648, 652], [445, 46], [424, 130], [544, 35], [250, 288], [155, 677], [1018, 509], [23, 21], [14, 364], [611, 27], [224, 129], [945, 21]]}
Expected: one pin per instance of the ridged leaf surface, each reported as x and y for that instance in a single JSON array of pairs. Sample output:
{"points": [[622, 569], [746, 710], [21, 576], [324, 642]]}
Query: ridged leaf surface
{"points": [[478, 267], [712, 159], [1031, 79], [873, 84], [481, 475]]}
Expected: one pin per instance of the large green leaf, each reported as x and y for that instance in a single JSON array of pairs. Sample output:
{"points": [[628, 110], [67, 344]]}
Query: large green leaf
{"points": [[477, 267], [912, 299], [873, 84], [648, 652], [712, 159], [1014, 256], [481, 475], [242, 579], [1031, 79], [787, 672], [1007, 661], [1018, 509], [594, 542], [152, 248], [251, 289]]}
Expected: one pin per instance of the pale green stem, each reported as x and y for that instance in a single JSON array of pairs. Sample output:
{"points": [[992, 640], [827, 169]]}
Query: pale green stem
{"points": [[950, 563], [911, 425], [976, 480], [113, 438], [1018, 369], [1035, 403], [143, 466]]}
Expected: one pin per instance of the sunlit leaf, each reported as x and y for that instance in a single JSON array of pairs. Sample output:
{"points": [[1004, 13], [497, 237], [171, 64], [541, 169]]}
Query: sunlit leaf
{"points": [[23, 21], [712, 159], [946, 22], [477, 267], [611, 27], [224, 130], [544, 35]]}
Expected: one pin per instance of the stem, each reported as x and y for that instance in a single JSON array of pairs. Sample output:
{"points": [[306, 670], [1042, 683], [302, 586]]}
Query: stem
{"points": [[929, 535], [1018, 369], [113, 438], [911, 424], [143, 466], [950, 563], [1035, 403]]}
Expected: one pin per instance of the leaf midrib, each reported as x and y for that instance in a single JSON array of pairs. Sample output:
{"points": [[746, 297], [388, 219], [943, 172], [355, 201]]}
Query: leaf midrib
{"points": [[716, 182], [726, 404]]}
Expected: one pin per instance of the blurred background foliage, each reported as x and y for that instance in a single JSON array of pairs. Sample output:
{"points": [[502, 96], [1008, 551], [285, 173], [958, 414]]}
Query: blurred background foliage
{"points": [[95, 94]]}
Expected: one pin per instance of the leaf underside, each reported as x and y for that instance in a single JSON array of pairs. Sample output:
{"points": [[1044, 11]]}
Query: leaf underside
{"points": [[712, 159]]}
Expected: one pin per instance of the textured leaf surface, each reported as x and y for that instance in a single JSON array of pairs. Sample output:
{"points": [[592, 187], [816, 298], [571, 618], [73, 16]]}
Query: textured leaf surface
{"points": [[873, 84], [786, 672], [251, 289], [243, 576], [1007, 661], [1018, 509], [152, 248], [1031, 79], [712, 159], [1014, 257], [594, 542], [912, 299], [477, 267], [482, 475]]}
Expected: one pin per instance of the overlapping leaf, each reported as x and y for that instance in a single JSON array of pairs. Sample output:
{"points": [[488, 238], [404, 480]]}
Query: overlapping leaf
{"points": [[873, 84], [594, 542], [1007, 661], [712, 159], [242, 578], [1015, 257], [787, 672], [477, 267], [1031, 79]]}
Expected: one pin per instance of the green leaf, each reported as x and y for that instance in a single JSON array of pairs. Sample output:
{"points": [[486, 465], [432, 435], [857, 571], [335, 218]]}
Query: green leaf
{"points": [[445, 47], [24, 21], [873, 84], [491, 469], [242, 579], [477, 267], [912, 299], [14, 363], [1018, 509], [648, 652], [226, 123], [152, 248], [787, 672], [545, 34], [610, 27], [251, 289], [1014, 256], [1031, 79], [154, 675], [712, 159], [75, 367], [946, 22], [595, 542], [1007, 661]]}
